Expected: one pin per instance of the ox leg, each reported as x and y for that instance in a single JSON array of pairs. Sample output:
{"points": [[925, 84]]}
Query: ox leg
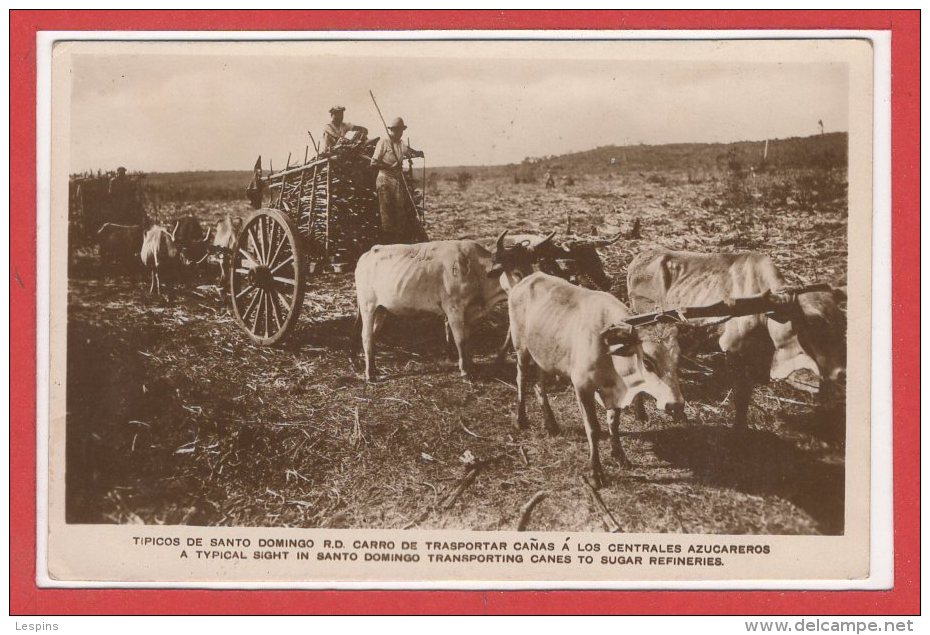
{"points": [[451, 350], [154, 285], [505, 347], [368, 342], [589, 416], [639, 408], [616, 448], [552, 427], [460, 334], [742, 388], [524, 366]]}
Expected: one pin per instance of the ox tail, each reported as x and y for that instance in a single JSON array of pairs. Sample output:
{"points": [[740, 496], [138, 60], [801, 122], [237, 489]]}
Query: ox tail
{"points": [[357, 334]]}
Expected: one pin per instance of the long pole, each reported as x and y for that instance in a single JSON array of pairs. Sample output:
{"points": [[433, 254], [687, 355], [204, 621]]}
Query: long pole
{"points": [[316, 147], [400, 159]]}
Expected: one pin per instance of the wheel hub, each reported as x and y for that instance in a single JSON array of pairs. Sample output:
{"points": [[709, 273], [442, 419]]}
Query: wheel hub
{"points": [[261, 277]]}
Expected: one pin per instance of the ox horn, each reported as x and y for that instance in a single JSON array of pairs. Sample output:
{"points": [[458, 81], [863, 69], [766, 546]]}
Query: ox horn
{"points": [[207, 237], [175, 230], [620, 338], [545, 240], [500, 240], [610, 241]]}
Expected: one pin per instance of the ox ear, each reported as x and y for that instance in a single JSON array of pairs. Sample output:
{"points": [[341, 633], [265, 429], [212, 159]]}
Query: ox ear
{"points": [[495, 271], [621, 339], [500, 240]]}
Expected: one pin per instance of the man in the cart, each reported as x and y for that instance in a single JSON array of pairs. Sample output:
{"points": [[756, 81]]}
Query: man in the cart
{"points": [[338, 128], [399, 222]]}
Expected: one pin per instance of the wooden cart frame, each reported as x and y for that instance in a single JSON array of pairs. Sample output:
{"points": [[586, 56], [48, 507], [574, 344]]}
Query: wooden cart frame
{"points": [[316, 217]]}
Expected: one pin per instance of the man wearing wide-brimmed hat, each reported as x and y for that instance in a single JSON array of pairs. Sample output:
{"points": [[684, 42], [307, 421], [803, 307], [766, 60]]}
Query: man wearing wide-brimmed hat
{"points": [[338, 128], [399, 222]]}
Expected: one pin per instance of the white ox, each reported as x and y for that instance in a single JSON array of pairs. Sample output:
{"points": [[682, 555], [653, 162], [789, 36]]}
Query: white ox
{"points": [[561, 329], [813, 335], [457, 279], [225, 233], [158, 251]]}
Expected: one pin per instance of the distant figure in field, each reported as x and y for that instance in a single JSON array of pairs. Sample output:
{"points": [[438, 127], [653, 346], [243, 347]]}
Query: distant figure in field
{"points": [[338, 128], [124, 202], [399, 222], [550, 182]]}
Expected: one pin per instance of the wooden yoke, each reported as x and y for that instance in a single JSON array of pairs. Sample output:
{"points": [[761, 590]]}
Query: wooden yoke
{"points": [[775, 304]]}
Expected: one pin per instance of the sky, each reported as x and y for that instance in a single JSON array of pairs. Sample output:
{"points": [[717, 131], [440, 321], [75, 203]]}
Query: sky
{"points": [[161, 109]]}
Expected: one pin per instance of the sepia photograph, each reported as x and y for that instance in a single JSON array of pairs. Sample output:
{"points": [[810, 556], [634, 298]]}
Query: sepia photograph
{"points": [[461, 290]]}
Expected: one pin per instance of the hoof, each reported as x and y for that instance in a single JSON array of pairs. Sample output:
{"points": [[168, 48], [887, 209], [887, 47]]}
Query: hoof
{"points": [[597, 480], [622, 461], [553, 430], [520, 423]]}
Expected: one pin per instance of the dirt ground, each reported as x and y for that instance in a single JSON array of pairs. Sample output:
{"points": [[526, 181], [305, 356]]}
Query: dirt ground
{"points": [[175, 418]]}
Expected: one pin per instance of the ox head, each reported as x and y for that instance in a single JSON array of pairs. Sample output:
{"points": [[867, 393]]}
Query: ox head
{"points": [[646, 358], [191, 240], [516, 262], [819, 323], [577, 260]]}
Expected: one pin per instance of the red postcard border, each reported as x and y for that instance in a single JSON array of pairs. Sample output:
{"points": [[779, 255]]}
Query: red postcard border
{"points": [[27, 599]]}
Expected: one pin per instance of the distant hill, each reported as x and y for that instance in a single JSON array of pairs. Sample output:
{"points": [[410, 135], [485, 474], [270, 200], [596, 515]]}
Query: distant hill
{"points": [[828, 150]]}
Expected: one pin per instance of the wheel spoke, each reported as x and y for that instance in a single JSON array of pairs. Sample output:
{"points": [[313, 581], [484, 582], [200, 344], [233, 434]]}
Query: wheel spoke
{"points": [[248, 309], [261, 239], [244, 291], [287, 261], [247, 256], [261, 294], [276, 309], [277, 250], [253, 241], [265, 312], [288, 281]]}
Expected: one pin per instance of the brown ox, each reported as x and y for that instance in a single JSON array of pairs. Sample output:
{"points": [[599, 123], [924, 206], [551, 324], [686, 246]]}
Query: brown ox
{"points": [[457, 279], [119, 244], [565, 330], [812, 335], [574, 259]]}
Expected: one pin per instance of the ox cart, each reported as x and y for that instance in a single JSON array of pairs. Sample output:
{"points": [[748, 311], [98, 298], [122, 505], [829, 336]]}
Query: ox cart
{"points": [[314, 218]]}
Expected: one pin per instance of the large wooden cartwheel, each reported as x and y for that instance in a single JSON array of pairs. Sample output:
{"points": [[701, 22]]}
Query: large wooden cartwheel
{"points": [[266, 277]]}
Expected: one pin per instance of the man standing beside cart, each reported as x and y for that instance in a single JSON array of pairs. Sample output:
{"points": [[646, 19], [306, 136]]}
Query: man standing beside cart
{"points": [[338, 128], [399, 222], [126, 206]]}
